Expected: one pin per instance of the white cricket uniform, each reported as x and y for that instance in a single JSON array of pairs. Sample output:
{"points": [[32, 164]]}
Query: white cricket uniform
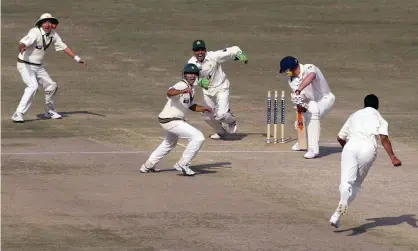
{"points": [[172, 119], [361, 130], [217, 95], [319, 98], [30, 66]]}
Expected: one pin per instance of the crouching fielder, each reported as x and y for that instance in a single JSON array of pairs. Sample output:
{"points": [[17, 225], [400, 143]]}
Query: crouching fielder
{"points": [[312, 96], [358, 139], [172, 119]]}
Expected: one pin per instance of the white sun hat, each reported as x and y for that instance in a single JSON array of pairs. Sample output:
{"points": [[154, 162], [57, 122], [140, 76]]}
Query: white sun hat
{"points": [[44, 17]]}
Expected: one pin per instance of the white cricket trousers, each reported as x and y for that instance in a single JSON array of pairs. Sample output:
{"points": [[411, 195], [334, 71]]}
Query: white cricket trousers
{"points": [[315, 112], [173, 131], [218, 99], [34, 76], [356, 160]]}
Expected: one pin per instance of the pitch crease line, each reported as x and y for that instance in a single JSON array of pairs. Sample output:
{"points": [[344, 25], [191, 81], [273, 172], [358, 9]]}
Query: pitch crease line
{"points": [[138, 152]]}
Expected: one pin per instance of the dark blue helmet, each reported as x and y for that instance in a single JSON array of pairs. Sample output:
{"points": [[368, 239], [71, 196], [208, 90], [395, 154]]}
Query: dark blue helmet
{"points": [[191, 68], [288, 63]]}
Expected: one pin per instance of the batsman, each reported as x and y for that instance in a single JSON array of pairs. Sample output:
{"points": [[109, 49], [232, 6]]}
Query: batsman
{"points": [[215, 85], [311, 96]]}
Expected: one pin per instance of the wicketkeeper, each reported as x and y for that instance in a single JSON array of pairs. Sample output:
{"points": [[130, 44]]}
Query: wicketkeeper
{"points": [[215, 85]]}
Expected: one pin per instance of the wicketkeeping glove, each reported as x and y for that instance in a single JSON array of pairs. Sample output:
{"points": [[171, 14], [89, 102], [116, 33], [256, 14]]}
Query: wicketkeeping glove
{"points": [[203, 82], [241, 56]]}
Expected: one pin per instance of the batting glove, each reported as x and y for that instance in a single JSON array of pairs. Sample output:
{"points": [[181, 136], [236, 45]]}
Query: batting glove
{"points": [[204, 83], [298, 100], [241, 56]]}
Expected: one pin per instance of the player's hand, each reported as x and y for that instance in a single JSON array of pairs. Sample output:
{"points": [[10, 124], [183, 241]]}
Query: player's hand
{"points": [[300, 108], [395, 161], [298, 100], [204, 83], [207, 109], [22, 48], [82, 62], [242, 57]]}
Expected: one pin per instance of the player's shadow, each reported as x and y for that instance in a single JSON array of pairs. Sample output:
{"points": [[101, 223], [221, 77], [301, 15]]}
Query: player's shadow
{"points": [[205, 168], [380, 222], [328, 150], [234, 137], [67, 114]]}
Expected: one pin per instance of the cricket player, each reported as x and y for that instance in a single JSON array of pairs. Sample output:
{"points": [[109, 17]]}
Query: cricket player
{"points": [[172, 119], [215, 85], [358, 137], [32, 50], [311, 95]]}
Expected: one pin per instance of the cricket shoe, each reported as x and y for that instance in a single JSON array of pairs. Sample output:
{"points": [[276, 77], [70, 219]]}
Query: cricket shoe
{"points": [[296, 147], [145, 169], [335, 220], [18, 118], [217, 136], [185, 170], [342, 209], [310, 155], [52, 115], [231, 129]]}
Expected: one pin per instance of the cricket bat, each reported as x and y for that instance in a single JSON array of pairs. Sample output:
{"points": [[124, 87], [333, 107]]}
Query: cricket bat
{"points": [[303, 144]]}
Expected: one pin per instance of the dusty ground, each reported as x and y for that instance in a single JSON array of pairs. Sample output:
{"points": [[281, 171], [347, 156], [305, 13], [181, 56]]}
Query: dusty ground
{"points": [[73, 184]]}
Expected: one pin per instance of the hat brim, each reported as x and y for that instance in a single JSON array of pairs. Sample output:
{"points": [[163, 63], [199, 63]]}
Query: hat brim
{"points": [[53, 20], [196, 47]]}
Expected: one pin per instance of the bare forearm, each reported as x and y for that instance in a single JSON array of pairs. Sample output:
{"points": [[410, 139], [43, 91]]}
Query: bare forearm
{"points": [[174, 92], [306, 81], [198, 108], [387, 145], [69, 52]]}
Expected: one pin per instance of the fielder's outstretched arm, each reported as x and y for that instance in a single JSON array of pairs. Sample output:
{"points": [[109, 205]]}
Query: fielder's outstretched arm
{"points": [[226, 54], [70, 53]]}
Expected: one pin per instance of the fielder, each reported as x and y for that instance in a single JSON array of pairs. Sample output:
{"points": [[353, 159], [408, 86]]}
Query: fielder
{"points": [[312, 96], [215, 85], [358, 138], [172, 119], [32, 50]]}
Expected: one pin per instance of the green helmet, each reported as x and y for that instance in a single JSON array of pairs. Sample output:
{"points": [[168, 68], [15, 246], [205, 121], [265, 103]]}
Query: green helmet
{"points": [[191, 68]]}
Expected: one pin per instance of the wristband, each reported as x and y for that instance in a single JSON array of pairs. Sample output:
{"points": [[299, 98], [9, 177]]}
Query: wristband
{"points": [[77, 58]]}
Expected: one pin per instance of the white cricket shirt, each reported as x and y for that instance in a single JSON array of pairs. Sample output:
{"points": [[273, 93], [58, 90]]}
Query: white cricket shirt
{"points": [[211, 67], [178, 106], [37, 41], [365, 124], [317, 89]]}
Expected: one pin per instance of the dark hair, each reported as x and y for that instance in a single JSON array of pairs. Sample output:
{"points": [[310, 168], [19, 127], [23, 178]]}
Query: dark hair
{"points": [[371, 100]]}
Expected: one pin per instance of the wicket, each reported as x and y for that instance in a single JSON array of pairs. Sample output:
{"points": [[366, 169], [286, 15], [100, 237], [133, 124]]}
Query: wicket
{"points": [[275, 118]]}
